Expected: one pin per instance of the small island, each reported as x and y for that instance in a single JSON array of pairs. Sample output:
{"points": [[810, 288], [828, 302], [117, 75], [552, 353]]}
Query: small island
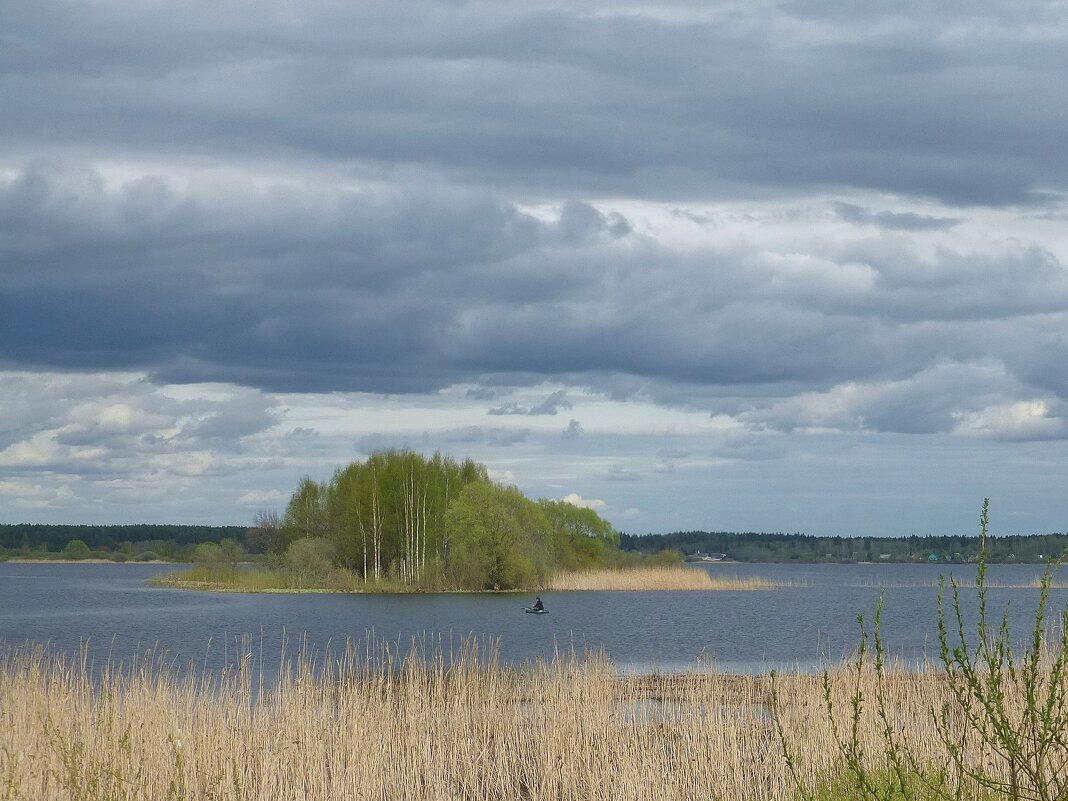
{"points": [[403, 522]]}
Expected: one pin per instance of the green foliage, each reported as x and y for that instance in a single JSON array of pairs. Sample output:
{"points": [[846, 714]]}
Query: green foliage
{"points": [[307, 512], [310, 559], [437, 523], [667, 557], [231, 552], [580, 537], [888, 786], [77, 549], [1004, 727], [386, 515], [208, 553], [500, 540]]}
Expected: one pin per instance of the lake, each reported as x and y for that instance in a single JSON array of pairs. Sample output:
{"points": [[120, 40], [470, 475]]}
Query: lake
{"points": [[806, 623]]}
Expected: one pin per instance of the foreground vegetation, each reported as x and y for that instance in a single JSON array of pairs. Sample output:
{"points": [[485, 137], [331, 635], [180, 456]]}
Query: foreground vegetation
{"points": [[428, 728], [987, 721], [421, 730]]}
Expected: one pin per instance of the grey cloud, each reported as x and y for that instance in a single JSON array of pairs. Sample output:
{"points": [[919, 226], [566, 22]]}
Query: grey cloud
{"points": [[237, 418], [964, 106], [507, 409], [580, 222], [574, 430], [401, 441], [906, 221], [414, 290], [671, 454], [500, 437], [556, 401], [752, 448], [620, 473], [936, 400], [124, 430]]}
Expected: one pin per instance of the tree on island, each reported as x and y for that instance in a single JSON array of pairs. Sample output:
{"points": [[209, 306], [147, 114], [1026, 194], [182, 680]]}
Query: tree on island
{"points": [[435, 523]]}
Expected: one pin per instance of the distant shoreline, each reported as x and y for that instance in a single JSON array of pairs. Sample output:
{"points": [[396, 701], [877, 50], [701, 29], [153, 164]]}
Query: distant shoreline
{"points": [[22, 561]]}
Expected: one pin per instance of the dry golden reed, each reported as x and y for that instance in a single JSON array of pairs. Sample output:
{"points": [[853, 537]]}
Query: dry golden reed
{"points": [[420, 729], [670, 577]]}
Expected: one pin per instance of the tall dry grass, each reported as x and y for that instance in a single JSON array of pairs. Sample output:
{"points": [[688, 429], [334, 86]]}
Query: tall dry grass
{"points": [[420, 729], [667, 577]]}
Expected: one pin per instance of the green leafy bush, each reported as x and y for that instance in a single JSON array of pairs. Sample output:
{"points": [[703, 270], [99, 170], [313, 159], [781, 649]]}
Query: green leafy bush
{"points": [[1003, 728], [77, 549]]}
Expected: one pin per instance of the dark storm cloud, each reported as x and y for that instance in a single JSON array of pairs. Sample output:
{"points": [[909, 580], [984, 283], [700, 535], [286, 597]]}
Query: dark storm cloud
{"points": [[413, 290], [469, 251], [964, 104]]}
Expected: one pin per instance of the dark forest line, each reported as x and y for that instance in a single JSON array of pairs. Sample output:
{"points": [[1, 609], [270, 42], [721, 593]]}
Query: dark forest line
{"points": [[780, 547], [163, 540], [173, 540]]}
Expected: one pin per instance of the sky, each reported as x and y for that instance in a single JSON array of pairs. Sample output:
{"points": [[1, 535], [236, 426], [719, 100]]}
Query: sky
{"points": [[747, 266]]}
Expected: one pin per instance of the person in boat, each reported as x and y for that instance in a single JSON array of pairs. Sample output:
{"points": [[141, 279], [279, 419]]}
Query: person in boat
{"points": [[538, 605]]}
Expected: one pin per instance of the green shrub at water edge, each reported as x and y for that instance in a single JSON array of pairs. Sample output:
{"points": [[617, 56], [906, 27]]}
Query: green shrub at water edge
{"points": [[77, 549], [1003, 729]]}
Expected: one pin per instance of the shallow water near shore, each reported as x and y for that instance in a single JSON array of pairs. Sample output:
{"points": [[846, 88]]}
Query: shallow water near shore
{"points": [[807, 622]]}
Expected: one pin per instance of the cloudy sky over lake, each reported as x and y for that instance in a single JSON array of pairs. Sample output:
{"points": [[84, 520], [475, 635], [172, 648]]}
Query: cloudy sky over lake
{"points": [[779, 266]]}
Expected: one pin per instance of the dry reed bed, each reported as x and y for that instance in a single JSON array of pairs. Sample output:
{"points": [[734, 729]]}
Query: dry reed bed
{"points": [[426, 731], [653, 578]]}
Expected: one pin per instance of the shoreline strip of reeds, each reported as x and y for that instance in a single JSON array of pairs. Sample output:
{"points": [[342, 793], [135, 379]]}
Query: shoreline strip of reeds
{"points": [[667, 577]]}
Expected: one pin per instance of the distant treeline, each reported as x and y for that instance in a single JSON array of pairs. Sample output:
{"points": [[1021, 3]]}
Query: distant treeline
{"points": [[35, 537], [766, 547]]}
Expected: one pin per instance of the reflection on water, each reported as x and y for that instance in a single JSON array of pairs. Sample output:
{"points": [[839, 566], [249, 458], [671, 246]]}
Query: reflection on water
{"points": [[806, 623]]}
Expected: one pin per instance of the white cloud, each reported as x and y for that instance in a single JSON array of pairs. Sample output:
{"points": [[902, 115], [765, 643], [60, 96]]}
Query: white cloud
{"points": [[584, 503], [263, 498], [36, 452], [1022, 420], [18, 488]]}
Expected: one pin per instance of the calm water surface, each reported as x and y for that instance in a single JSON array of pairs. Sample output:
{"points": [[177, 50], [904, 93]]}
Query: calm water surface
{"points": [[807, 622]]}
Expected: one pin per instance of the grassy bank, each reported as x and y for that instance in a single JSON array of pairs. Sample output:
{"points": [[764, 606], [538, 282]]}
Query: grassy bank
{"points": [[219, 578], [469, 730]]}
